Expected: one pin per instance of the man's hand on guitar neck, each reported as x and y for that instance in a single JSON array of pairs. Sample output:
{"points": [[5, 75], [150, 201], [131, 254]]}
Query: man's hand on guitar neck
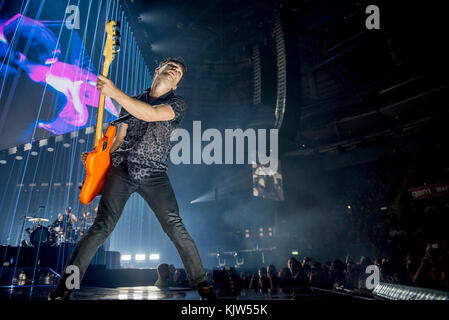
{"points": [[137, 108], [106, 87]]}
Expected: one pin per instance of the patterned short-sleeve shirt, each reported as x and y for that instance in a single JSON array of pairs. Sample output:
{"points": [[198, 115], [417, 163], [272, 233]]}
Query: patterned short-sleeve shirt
{"points": [[146, 147]]}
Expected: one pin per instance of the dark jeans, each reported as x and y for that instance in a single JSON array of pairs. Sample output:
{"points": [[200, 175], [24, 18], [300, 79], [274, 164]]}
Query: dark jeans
{"points": [[158, 193]]}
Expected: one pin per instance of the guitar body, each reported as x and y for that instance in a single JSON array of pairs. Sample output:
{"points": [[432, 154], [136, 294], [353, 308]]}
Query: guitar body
{"points": [[98, 161], [97, 164]]}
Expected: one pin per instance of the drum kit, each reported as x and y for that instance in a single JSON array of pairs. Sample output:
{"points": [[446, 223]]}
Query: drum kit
{"points": [[58, 232]]}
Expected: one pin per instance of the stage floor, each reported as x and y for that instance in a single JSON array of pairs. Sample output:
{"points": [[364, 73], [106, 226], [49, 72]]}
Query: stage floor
{"points": [[155, 293]]}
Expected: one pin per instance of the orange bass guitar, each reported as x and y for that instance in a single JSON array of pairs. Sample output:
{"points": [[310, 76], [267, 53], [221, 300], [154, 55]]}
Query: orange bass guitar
{"points": [[98, 161]]}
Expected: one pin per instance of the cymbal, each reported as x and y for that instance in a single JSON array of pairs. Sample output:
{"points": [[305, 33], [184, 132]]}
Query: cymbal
{"points": [[37, 219]]}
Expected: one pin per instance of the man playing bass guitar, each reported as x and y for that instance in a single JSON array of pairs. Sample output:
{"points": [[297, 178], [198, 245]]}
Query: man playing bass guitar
{"points": [[138, 164]]}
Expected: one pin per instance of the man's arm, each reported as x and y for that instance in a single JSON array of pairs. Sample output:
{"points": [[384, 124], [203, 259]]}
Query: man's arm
{"points": [[137, 108], [121, 134], [144, 111]]}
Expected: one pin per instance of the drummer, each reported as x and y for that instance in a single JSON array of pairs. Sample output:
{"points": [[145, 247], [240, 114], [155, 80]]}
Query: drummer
{"points": [[65, 223], [70, 217]]}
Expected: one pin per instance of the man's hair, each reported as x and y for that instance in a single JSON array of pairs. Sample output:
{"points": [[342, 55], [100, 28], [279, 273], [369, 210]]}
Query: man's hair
{"points": [[178, 60]]}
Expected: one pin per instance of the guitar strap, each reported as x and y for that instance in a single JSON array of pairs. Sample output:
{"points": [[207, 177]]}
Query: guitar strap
{"points": [[121, 119]]}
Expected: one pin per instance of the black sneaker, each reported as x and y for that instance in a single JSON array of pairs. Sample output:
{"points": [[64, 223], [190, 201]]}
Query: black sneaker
{"points": [[59, 295], [207, 293]]}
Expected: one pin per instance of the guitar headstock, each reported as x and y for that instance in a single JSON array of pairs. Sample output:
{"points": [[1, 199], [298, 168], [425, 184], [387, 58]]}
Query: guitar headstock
{"points": [[112, 45]]}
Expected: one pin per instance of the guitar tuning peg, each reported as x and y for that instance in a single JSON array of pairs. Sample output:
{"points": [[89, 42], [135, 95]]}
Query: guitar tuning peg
{"points": [[117, 43], [117, 24]]}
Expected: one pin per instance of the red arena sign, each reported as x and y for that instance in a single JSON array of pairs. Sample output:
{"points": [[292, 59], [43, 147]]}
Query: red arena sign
{"points": [[433, 190]]}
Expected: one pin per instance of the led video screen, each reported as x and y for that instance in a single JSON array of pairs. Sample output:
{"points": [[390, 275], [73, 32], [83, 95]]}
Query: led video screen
{"points": [[48, 70]]}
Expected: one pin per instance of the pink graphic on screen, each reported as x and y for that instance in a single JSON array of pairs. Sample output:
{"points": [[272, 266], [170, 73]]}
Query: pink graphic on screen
{"points": [[41, 64]]}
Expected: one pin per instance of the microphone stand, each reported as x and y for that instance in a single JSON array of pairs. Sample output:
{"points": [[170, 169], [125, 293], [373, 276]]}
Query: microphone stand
{"points": [[23, 230]]}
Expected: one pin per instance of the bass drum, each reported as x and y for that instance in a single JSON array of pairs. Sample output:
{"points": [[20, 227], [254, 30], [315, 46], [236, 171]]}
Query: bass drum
{"points": [[41, 235]]}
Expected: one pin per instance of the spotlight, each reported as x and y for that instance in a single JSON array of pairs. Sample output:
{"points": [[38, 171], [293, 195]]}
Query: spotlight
{"points": [[43, 142], [125, 257], [33, 153], [81, 140], [138, 295], [89, 130], [140, 257], [50, 149], [154, 256], [123, 296], [261, 234], [12, 150], [295, 252], [397, 292], [66, 145], [3, 161], [247, 235], [349, 206], [19, 157]]}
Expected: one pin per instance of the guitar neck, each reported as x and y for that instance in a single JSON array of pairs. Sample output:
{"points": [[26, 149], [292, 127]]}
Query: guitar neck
{"points": [[99, 127]]}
